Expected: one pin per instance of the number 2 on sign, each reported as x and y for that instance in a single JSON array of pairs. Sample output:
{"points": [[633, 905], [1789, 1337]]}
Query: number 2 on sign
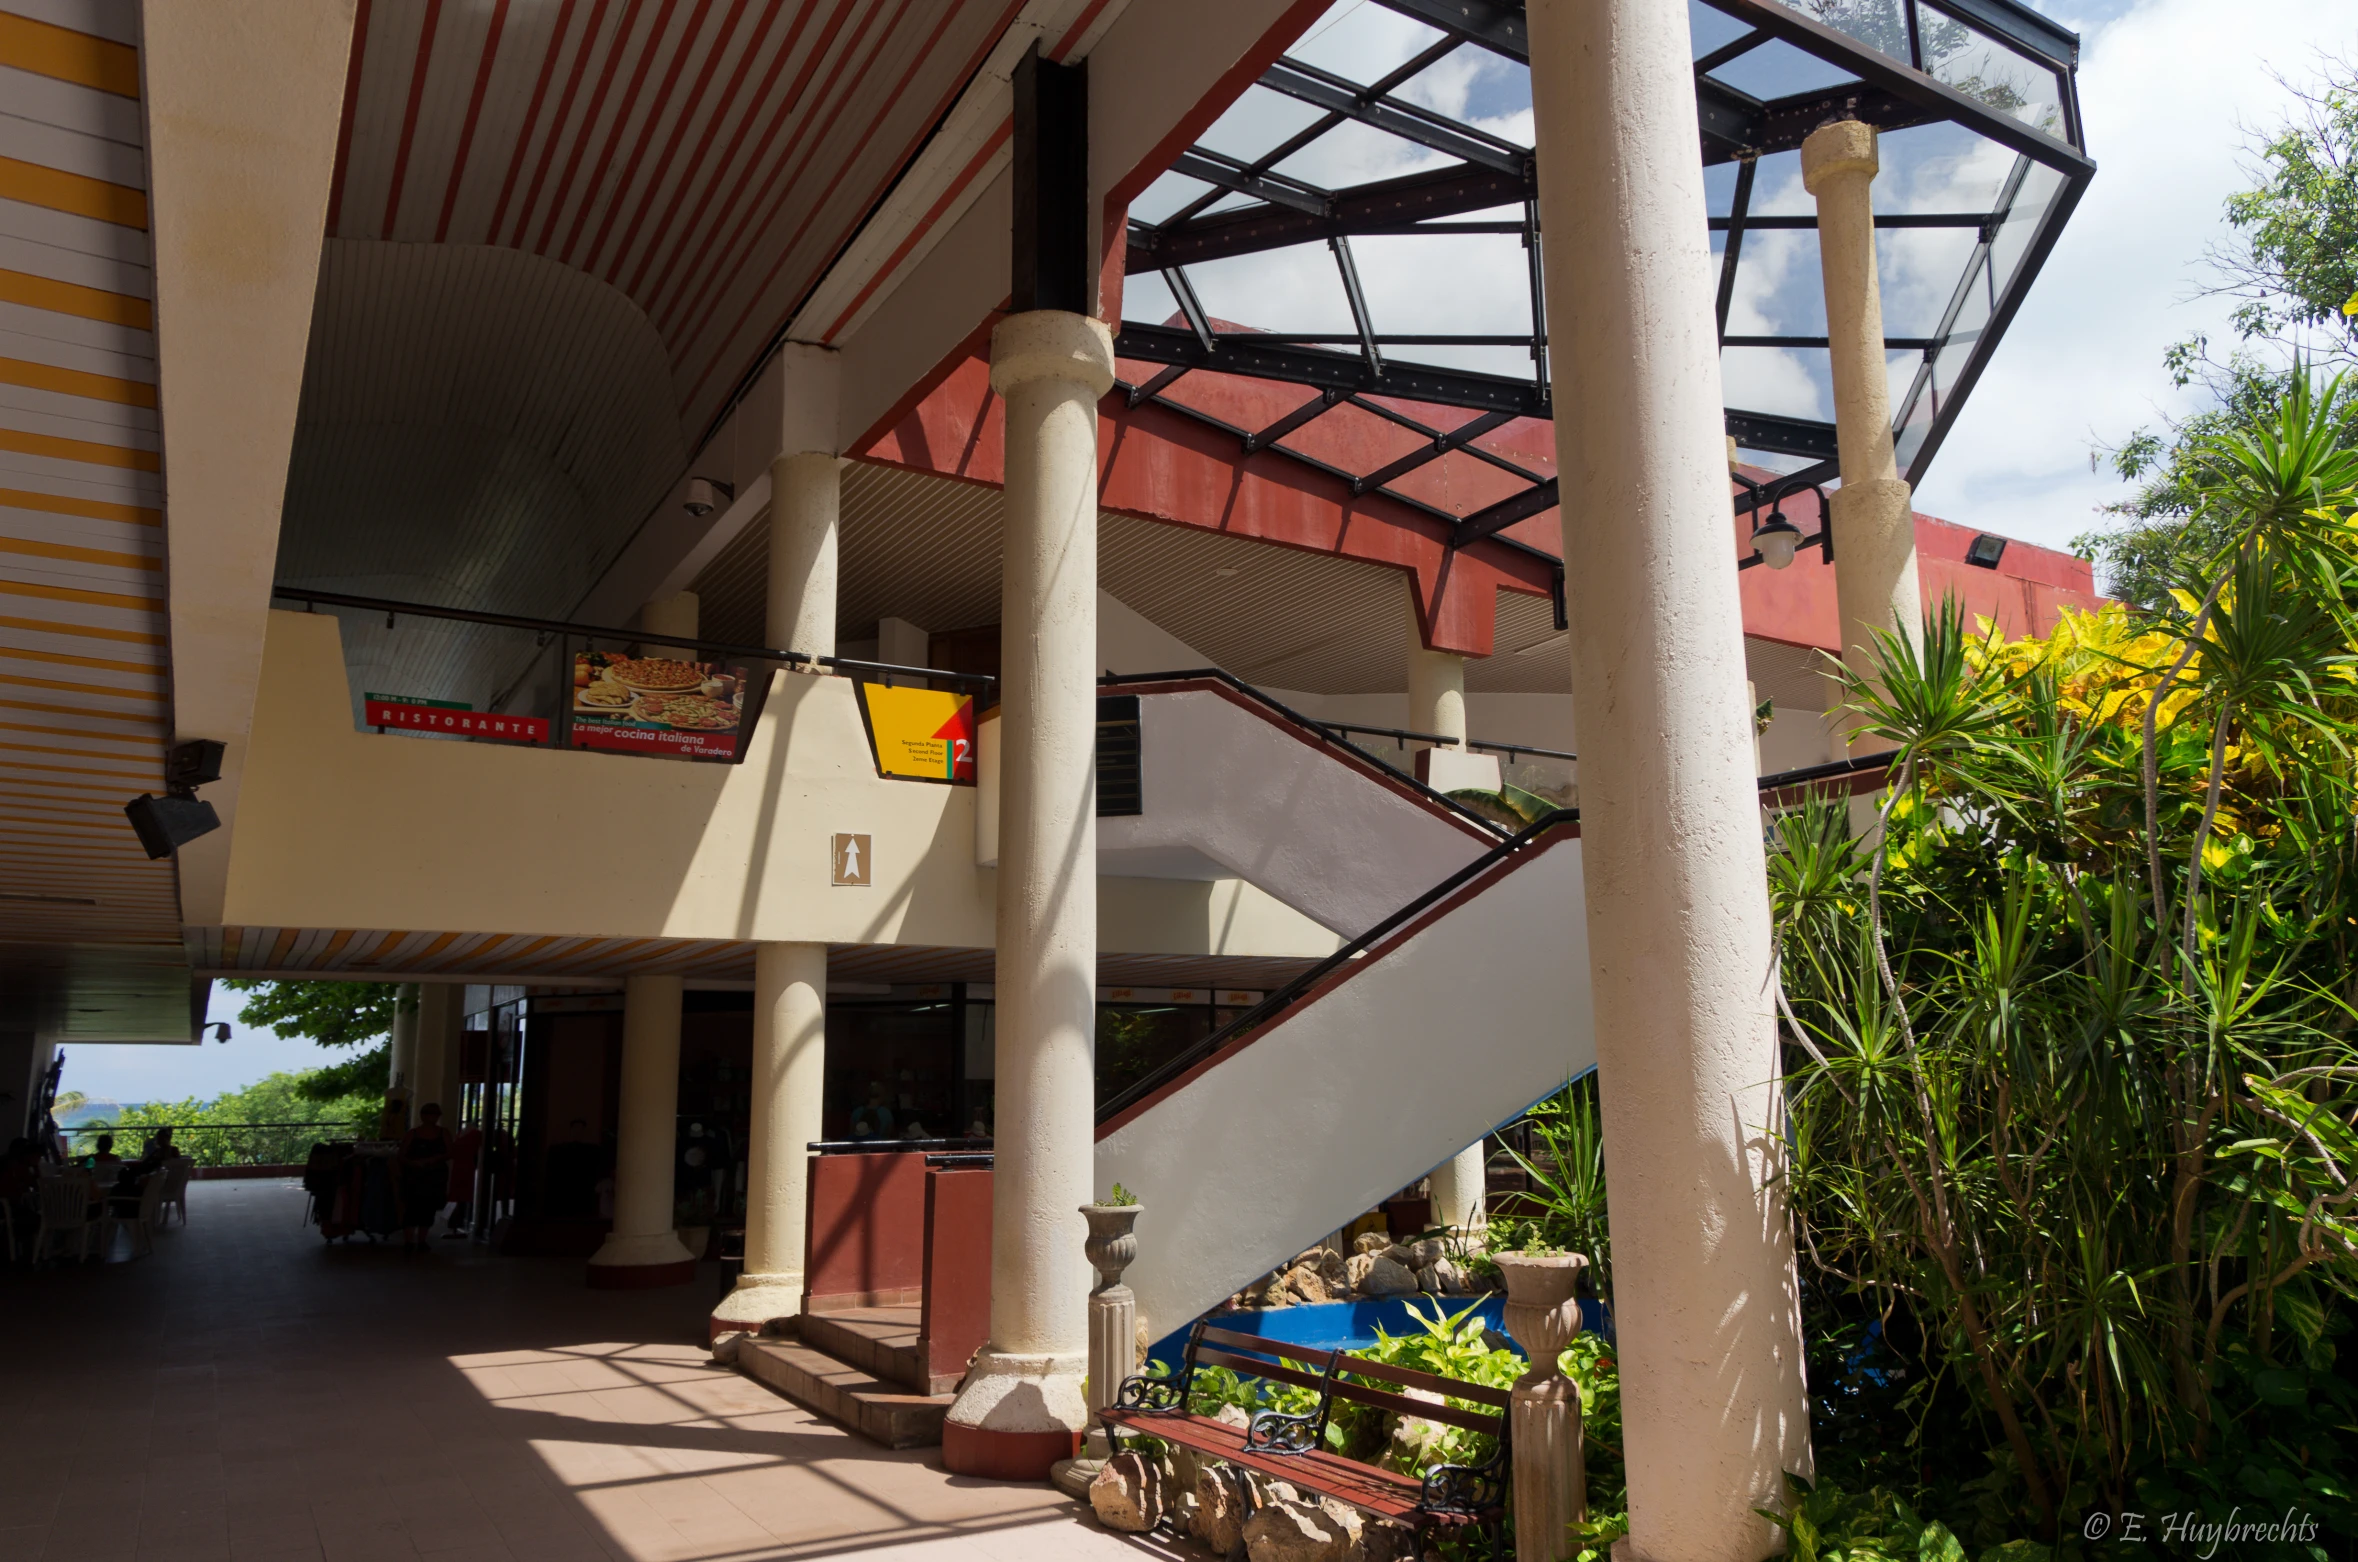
{"points": [[960, 756]]}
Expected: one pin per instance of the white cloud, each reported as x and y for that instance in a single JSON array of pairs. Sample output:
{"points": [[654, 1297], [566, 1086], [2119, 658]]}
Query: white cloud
{"points": [[2166, 88]]}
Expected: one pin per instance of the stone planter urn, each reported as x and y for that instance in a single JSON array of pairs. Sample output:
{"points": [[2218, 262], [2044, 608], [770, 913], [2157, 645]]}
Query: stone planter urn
{"points": [[1112, 1245], [1551, 1483], [1113, 1309]]}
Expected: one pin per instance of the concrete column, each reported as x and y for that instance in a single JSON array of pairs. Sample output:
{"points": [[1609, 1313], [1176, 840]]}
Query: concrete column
{"points": [[806, 491], [643, 1250], [1021, 1408], [1875, 584], [1677, 906], [789, 1084], [672, 615], [1460, 1189], [437, 1067], [1436, 688], [1437, 704], [401, 1076]]}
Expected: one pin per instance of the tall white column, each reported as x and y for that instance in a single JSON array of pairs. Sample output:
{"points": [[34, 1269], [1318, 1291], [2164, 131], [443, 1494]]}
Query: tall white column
{"points": [[805, 499], [1875, 584], [401, 1076], [1021, 1408], [789, 1088], [643, 1249], [437, 1065], [1705, 1298], [790, 980]]}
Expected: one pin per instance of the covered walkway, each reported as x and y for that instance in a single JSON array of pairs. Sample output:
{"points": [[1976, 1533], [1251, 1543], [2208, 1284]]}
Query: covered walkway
{"points": [[248, 1393]]}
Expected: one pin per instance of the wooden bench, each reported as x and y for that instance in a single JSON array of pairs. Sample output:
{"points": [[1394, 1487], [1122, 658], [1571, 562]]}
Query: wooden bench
{"points": [[1292, 1448]]}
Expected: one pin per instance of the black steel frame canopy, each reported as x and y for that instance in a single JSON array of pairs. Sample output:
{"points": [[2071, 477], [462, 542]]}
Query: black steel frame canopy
{"points": [[1488, 174]]}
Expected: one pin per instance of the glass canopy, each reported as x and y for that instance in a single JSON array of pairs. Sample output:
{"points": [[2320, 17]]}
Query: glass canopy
{"points": [[1364, 222]]}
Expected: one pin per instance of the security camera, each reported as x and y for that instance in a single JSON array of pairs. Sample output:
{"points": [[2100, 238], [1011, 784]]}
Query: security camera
{"points": [[705, 495]]}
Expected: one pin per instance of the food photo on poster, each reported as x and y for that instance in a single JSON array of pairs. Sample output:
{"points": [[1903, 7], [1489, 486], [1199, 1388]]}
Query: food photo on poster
{"points": [[656, 705]]}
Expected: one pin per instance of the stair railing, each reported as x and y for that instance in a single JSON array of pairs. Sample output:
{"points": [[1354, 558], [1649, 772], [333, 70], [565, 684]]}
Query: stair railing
{"points": [[1534, 834]]}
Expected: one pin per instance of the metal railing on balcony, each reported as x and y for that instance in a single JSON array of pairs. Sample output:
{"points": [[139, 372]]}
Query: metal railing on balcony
{"points": [[216, 1144], [456, 673]]}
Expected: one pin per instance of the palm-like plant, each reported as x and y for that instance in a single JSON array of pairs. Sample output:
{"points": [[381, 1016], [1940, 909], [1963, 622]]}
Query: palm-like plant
{"points": [[2100, 1136]]}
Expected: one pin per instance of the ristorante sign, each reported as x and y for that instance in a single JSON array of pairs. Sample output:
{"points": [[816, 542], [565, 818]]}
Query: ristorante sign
{"points": [[402, 713]]}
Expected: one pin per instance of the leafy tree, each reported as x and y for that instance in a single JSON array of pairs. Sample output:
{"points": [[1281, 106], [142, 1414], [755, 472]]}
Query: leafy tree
{"points": [[334, 1014], [222, 1132], [2291, 265]]}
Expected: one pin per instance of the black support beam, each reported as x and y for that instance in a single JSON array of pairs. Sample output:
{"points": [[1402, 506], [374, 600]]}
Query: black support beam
{"points": [[1052, 265]]}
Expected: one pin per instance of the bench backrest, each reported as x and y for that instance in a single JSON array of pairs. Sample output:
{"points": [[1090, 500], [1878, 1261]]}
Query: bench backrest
{"points": [[1329, 1373]]}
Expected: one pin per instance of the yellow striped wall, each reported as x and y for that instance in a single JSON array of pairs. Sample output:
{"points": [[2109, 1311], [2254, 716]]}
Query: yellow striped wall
{"points": [[83, 716]]}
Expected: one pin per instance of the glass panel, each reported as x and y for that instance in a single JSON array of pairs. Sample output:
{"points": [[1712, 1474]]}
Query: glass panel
{"points": [[1918, 269], [1166, 195], [1147, 298], [1475, 284], [1712, 29], [1791, 382], [2040, 186], [1361, 41], [1777, 69], [1296, 289], [1780, 290], [1354, 153], [1256, 122], [1940, 168], [1986, 70], [1876, 23], [1915, 419]]}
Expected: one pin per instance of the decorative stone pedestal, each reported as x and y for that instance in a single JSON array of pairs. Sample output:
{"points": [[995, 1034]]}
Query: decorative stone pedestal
{"points": [[1551, 1483], [1113, 1308]]}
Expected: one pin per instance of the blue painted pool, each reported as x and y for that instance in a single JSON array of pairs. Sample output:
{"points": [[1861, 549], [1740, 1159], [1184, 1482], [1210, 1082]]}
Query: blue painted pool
{"points": [[1353, 1325]]}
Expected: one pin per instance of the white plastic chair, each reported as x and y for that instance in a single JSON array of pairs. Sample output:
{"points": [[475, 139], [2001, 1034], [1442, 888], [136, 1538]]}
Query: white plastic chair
{"points": [[65, 1212], [176, 1175], [142, 1222]]}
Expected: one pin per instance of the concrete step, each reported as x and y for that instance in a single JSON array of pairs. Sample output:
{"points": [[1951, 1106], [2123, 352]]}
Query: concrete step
{"points": [[878, 1410], [880, 1341]]}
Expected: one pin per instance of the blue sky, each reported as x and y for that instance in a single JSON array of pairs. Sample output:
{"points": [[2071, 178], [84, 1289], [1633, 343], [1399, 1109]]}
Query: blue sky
{"points": [[2168, 89], [174, 1073]]}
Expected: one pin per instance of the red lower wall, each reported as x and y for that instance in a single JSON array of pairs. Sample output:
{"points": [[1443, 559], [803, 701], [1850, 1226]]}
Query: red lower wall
{"points": [[957, 1268], [865, 1242]]}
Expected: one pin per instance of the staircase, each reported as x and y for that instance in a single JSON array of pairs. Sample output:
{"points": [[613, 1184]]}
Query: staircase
{"points": [[864, 1368]]}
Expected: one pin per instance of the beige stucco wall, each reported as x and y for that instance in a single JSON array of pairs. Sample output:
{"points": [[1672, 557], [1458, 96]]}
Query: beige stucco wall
{"points": [[352, 829]]}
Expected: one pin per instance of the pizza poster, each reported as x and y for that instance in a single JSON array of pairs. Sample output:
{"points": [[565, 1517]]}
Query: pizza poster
{"points": [[654, 705], [919, 734]]}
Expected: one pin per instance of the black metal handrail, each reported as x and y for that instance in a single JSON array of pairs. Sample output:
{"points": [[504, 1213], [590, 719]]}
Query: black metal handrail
{"points": [[1325, 731], [1439, 740], [553, 626], [544, 626], [896, 1146], [1292, 992]]}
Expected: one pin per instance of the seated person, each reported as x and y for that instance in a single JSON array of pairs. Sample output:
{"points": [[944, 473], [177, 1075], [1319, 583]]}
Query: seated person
{"points": [[105, 1165], [158, 1151], [873, 1121]]}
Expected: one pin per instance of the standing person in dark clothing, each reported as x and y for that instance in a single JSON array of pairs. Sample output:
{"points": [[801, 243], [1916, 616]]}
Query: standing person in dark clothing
{"points": [[425, 1175]]}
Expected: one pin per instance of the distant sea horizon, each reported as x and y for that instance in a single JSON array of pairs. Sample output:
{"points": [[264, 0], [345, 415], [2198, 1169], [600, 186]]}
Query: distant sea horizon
{"points": [[97, 1110]]}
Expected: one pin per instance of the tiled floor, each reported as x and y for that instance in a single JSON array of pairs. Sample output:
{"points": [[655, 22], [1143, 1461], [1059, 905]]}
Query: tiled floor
{"points": [[250, 1393]]}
